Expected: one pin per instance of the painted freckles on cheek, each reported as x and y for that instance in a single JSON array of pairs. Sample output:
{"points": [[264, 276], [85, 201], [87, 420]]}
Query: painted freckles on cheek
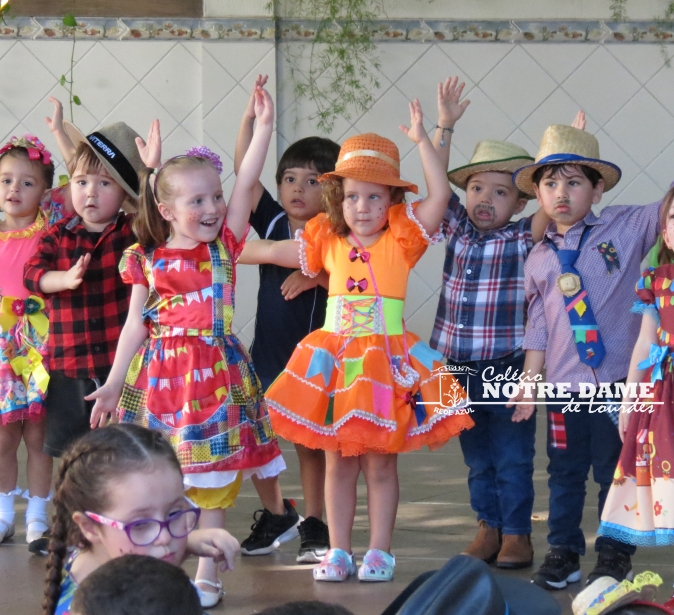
{"points": [[194, 217]]}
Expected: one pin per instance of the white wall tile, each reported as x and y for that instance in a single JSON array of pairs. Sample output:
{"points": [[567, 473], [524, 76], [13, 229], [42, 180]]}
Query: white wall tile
{"points": [[138, 57], [559, 59]]}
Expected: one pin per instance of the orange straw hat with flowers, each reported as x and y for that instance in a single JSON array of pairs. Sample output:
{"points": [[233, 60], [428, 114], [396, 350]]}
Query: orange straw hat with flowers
{"points": [[370, 158]]}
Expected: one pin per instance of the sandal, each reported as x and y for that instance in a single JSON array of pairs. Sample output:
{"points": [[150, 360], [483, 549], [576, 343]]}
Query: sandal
{"points": [[337, 565], [209, 599], [6, 530], [377, 566]]}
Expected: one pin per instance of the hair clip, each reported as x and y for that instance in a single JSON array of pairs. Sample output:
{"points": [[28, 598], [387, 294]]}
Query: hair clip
{"points": [[35, 147], [204, 152]]}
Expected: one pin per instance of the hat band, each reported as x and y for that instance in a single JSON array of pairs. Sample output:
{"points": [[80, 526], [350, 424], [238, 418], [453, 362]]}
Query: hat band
{"points": [[370, 153], [114, 156], [571, 158]]}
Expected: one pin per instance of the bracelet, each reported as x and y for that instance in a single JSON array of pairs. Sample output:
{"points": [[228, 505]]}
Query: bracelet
{"points": [[442, 140]]}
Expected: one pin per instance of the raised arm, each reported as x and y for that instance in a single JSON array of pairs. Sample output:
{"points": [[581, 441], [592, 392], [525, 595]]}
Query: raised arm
{"points": [[450, 110], [431, 210], [55, 123], [150, 150], [266, 251], [245, 193]]}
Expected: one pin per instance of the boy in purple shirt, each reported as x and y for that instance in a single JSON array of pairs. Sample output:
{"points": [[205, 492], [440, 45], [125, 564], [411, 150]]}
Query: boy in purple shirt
{"points": [[579, 283]]}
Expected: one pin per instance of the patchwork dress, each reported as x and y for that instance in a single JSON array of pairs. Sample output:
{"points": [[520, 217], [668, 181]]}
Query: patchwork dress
{"points": [[23, 321], [192, 379], [639, 508], [363, 383]]}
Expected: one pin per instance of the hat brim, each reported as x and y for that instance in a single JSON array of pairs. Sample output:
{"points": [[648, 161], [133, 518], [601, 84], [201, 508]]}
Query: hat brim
{"points": [[77, 137], [369, 175], [610, 173], [460, 176]]}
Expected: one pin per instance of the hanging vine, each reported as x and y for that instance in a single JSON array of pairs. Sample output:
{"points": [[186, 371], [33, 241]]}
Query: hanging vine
{"points": [[70, 26]]}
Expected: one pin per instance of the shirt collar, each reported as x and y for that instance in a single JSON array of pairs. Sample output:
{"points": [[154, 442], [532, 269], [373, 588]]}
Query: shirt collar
{"points": [[589, 220], [75, 223]]}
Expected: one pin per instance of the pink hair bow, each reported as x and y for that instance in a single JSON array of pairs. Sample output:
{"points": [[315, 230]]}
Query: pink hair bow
{"points": [[35, 147], [361, 285]]}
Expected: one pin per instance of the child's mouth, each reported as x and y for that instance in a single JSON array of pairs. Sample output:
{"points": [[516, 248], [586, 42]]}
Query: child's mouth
{"points": [[208, 223]]}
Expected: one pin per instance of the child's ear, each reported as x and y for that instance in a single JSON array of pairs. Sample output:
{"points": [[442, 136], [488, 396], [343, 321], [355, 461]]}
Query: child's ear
{"points": [[521, 204], [537, 192], [165, 212], [597, 192], [89, 528]]}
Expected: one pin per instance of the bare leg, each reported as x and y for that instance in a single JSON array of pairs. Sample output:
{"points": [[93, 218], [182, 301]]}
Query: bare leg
{"points": [[341, 476], [312, 473], [269, 491], [39, 464], [208, 569], [10, 438], [383, 493]]}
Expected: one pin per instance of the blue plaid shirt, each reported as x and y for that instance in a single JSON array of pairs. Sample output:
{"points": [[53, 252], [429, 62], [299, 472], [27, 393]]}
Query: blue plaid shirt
{"points": [[481, 313]]}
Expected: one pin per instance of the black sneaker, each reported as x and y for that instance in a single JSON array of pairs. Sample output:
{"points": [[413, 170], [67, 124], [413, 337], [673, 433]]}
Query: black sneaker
{"points": [[271, 531], [612, 562], [40, 546], [560, 567], [315, 541]]}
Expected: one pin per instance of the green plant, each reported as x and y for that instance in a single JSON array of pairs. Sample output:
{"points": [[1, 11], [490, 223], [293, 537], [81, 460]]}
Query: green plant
{"points": [[341, 74], [664, 32], [70, 24], [4, 8], [618, 10]]}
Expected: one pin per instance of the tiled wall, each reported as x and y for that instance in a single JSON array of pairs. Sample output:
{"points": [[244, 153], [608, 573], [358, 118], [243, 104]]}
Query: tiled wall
{"points": [[199, 90]]}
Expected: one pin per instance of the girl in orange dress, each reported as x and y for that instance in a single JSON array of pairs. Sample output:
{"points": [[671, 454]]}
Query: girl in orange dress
{"points": [[363, 388]]}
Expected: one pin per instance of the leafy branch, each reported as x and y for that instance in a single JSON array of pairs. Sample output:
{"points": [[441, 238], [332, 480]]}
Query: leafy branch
{"points": [[664, 31], [618, 10], [70, 24], [344, 61], [4, 8]]}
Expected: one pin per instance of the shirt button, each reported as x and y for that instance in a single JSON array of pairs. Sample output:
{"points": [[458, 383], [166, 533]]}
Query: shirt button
{"points": [[465, 299], [98, 348], [469, 271], [93, 320], [460, 326]]}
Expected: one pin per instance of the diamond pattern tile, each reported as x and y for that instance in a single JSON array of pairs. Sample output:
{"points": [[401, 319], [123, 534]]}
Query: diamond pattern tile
{"points": [[216, 82], [643, 61], [55, 55], [549, 56], [239, 59], [476, 60], [660, 170], [610, 150], [138, 57]]}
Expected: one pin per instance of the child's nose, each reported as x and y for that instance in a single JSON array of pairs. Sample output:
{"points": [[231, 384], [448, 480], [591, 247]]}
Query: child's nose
{"points": [[164, 537]]}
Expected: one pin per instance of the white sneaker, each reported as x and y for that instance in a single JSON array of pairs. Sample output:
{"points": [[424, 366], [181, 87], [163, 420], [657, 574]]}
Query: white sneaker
{"points": [[209, 599]]}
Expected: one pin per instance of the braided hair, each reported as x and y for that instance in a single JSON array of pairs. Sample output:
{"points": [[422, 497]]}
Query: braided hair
{"points": [[82, 484]]}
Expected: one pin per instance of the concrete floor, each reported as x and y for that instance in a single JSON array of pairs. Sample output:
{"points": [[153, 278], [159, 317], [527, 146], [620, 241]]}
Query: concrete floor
{"points": [[434, 523]]}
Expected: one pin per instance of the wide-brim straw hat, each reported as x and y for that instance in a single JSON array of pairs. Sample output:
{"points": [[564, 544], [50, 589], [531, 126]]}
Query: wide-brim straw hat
{"points": [[370, 158], [488, 156], [562, 145], [115, 146]]}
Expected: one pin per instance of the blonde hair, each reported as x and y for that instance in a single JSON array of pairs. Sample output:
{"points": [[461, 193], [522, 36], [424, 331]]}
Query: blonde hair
{"points": [[150, 227], [332, 196]]}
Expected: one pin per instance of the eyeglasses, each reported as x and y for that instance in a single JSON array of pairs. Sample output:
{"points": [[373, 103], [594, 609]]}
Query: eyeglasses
{"points": [[144, 532]]}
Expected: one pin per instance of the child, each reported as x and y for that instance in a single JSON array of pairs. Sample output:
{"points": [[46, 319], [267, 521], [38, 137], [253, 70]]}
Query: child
{"points": [[76, 266], [136, 584], [289, 306], [119, 490], [578, 283], [29, 205], [637, 503], [368, 388], [479, 328], [186, 374]]}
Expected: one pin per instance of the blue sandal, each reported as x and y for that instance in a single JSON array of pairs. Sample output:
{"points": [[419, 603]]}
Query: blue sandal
{"points": [[337, 565], [377, 566]]}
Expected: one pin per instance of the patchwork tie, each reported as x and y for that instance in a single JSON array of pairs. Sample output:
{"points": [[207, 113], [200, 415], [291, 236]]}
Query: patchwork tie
{"points": [[584, 326]]}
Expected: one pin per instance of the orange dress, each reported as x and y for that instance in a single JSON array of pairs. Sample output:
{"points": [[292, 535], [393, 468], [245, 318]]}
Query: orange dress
{"points": [[362, 383]]}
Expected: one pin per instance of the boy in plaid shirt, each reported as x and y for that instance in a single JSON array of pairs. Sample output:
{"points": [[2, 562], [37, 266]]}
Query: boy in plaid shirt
{"points": [[76, 267], [479, 327]]}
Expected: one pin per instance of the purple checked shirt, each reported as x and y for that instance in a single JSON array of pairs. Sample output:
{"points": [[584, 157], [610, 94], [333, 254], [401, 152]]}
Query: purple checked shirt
{"points": [[631, 230]]}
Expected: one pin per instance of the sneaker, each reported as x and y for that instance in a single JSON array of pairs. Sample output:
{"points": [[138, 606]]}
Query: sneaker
{"points": [[270, 531], [337, 565], [315, 540], [560, 567], [377, 566], [41, 545], [612, 562]]}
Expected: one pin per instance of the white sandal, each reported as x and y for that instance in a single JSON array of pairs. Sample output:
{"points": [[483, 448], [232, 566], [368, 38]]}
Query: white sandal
{"points": [[209, 599], [6, 530]]}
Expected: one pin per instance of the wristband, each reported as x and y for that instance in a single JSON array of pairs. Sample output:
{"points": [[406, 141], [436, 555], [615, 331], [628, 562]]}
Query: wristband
{"points": [[442, 141]]}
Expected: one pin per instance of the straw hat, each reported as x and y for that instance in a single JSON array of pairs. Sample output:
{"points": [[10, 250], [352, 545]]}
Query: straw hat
{"points": [[370, 158], [491, 156], [567, 145], [115, 147]]}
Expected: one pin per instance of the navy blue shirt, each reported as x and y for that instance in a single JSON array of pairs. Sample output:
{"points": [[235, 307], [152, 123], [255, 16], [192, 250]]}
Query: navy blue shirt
{"points": [[279, 324]]}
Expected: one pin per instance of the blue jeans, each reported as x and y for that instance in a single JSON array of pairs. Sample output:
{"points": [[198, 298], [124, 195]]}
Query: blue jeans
{"points": [[592, 440], [499, 453]]}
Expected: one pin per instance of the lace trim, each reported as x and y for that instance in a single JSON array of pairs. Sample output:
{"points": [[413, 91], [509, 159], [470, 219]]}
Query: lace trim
{"points": [[303, 254], [437, 237], [28, 232], [660, 537]]}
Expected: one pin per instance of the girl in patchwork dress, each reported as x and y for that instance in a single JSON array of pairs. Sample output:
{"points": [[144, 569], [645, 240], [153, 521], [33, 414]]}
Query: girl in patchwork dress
{"points": [[639, 507], [188, 375], [29, 205], [363, 388]]}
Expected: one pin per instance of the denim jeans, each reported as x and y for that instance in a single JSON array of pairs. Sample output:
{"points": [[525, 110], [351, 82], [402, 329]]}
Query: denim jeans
{"points": [[591, 440], [498, 452]]}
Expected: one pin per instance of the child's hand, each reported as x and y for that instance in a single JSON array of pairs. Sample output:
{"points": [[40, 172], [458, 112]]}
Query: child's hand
{"points": [[150, 152], [55, 122], [74, 276], [261, 81], [106, 399], [450, 105], [216, 543], [416, 132], [579, 121], [523, 410], [264, 106], [624, 417], [296, 283]]}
